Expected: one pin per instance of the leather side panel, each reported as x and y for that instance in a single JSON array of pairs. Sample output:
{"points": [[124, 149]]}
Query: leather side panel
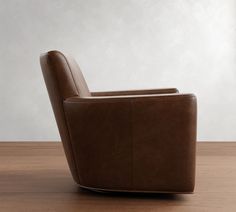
{"points": [[102, 140], [164, 135]]}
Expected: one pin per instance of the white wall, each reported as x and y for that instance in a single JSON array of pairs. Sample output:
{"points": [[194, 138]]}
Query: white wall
{"points": [[119, 44]]}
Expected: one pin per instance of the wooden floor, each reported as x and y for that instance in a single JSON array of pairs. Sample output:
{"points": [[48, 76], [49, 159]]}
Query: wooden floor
{"points": [[35, 177]]}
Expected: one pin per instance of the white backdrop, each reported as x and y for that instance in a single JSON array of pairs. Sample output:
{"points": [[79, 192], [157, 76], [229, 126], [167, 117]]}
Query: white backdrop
{"points": [[119, 44]]}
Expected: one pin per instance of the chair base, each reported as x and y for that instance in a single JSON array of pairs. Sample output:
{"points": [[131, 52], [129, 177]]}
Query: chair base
{"points": [[101, 190]]}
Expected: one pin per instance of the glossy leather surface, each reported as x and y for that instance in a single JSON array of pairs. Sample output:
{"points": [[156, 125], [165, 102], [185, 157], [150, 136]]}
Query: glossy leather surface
{"points": [[139, 140]]}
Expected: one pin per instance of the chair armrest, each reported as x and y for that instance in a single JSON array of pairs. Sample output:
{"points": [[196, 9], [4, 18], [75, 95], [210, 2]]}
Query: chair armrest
{"points": [[135, 92], [131, 140], [161, 105]]}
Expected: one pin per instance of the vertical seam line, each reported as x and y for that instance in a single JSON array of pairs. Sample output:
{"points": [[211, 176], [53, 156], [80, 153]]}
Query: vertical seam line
{"points": [[71, 73], [132, 146]]}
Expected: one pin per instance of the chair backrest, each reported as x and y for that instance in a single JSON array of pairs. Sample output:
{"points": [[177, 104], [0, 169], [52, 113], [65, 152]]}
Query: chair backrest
{"points": [[63, 79]]}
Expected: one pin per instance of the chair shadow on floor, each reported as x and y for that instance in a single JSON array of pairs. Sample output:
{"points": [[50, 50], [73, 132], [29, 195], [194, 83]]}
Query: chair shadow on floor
{"points": [[129, 195]]}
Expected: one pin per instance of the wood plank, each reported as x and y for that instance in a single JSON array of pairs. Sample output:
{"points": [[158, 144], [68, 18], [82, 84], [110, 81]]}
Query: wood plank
{"points": [[34, 176]]}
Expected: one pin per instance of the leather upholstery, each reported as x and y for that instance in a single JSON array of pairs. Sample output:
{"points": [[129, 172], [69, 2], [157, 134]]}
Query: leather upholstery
{"points": [[140, 140], [136, 92]]}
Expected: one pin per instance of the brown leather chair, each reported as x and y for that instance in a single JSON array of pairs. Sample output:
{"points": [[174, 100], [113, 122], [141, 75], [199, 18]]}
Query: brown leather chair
{"points": [[135, 141]]}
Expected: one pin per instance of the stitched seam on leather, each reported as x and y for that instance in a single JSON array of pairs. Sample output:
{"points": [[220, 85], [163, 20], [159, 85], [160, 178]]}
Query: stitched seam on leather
{"points": [[66, 125], [128, 99], [77, 165], [70, 72], [73, 151], [132, 145]]}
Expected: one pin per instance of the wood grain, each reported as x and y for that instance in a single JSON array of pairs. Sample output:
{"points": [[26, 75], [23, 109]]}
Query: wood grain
{"points": [[35, 177]]}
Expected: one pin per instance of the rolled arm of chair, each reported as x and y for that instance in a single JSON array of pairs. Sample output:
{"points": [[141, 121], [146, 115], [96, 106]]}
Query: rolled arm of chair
{"points": [[135, 92], [139, 139]]}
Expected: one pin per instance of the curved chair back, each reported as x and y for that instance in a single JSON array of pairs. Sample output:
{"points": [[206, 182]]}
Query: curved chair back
{"points": [[63, 79]]}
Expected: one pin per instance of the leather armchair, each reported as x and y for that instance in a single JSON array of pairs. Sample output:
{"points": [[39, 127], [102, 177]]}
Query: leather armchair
{"points": [[133, 141]]}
